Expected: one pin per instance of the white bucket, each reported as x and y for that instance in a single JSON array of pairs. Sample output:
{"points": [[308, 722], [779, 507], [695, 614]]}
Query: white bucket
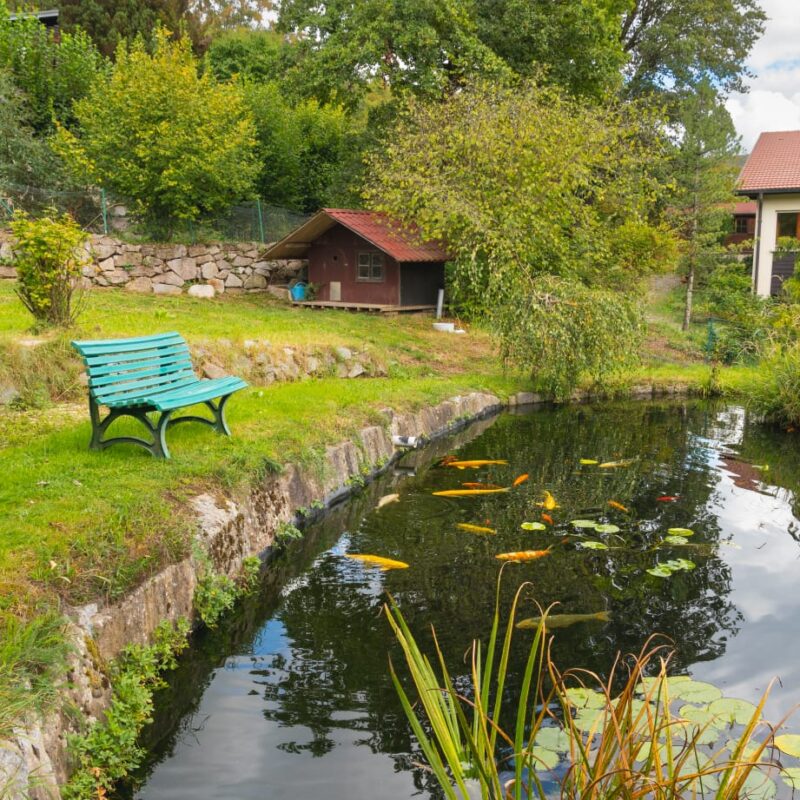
{"points": [[447, 327]]}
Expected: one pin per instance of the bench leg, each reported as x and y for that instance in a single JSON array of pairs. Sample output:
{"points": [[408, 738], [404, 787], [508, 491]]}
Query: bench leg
{"points": [[219, 423], [158, 447]]}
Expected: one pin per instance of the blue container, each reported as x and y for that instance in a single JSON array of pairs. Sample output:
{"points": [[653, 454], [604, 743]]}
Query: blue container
{"points": [[298, 292]]}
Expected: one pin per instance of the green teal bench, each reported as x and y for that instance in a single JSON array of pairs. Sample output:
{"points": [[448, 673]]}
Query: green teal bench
{"points": [[147, 375]]}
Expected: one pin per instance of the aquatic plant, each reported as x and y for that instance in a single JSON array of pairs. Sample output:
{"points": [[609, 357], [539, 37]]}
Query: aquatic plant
{"points": [[596, 741]]}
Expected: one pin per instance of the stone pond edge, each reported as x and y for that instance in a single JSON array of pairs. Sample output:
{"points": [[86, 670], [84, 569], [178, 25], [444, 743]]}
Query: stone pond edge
{"points": [[34, 762]]}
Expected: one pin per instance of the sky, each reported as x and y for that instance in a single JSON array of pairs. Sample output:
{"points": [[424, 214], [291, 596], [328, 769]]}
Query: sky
{"points": [[773, 102]]}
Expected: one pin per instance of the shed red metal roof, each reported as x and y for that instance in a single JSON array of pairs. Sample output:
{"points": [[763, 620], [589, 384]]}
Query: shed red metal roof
{"points": [[774, 164], [743, 209], [401, 242]]}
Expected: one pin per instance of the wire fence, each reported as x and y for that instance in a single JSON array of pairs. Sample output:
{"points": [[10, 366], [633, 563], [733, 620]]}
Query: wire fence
{"points": [[101, 212]]}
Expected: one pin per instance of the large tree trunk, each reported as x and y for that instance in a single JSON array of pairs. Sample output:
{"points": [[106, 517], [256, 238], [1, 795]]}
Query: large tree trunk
{"points": [[687, 311]]}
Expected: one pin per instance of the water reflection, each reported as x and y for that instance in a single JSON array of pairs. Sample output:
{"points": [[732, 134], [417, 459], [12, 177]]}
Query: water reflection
{"points": [[293, 698]]}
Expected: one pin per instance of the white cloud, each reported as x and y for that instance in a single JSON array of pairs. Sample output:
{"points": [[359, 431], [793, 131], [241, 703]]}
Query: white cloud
{"points": [[773, 102]]}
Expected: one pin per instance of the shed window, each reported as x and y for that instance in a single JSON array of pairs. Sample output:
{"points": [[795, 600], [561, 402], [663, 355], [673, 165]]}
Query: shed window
{"points": [[741, 224], [789, 224], [370, 267]]}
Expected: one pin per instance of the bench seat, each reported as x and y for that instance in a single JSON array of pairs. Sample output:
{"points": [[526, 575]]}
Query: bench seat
{"points": [[142, 375]]}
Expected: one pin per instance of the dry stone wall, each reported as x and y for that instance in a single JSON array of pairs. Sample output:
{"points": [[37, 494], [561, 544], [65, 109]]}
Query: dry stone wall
{"points": [[202, 270]]}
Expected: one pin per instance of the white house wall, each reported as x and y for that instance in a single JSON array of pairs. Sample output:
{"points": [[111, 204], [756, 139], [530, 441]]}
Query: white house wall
{"points": [[771, 206]]}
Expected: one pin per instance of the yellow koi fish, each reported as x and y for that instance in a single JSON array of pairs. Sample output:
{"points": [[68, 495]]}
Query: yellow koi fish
{"points": [[480, 485], [564, 620], [377, 561], [618, 506], [386, 499], [467, 492], [588, 462], [466, 526], [475, 463], [524, 555], [549, 502], [612, 464]]}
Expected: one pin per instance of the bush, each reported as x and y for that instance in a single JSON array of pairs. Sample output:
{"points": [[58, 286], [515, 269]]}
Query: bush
{"points": [[776, 394], [47, 256]]}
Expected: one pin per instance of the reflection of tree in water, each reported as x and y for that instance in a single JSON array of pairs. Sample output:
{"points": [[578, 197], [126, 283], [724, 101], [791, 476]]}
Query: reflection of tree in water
{"points": [[334, 677]]}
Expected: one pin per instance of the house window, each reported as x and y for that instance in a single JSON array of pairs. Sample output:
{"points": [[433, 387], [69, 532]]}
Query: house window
{"points": [[788, 224], [370, 267], [740, 224]]}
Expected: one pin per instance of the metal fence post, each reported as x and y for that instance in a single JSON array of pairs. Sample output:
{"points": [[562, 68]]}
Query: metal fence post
{"points": [[104, 210], [260, 219]]}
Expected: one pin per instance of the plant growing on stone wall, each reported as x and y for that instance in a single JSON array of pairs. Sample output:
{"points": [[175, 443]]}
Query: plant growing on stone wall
{"points": [[109, 750], [47, 256], [216, 593]]}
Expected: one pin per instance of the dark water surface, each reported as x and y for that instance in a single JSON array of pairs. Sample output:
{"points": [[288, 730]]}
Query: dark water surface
{"points": [[291, 697]]}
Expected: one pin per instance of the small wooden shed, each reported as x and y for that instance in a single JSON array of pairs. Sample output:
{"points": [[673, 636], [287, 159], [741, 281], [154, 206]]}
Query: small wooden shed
{"points": [[364, 259]]}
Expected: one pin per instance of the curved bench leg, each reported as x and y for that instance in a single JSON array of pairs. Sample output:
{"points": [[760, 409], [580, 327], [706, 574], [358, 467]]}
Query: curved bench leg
{"points": [[157, 448], [220, 423]]}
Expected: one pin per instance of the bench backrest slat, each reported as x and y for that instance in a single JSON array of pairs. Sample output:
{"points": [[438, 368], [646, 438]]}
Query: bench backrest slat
{"points": [[129, 370]]}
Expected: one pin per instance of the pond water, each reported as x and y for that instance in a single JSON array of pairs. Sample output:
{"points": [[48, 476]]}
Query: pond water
{"points": [[291, 697]]}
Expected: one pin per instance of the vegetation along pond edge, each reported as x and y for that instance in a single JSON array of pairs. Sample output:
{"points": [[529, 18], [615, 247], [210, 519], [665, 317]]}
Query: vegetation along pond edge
{"points": [[34, 763]]}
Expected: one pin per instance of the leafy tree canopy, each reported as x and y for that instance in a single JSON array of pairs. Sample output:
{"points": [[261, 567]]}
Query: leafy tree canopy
{"points": [[175, 142], [544, 204], [680, 43], [50, 74]]}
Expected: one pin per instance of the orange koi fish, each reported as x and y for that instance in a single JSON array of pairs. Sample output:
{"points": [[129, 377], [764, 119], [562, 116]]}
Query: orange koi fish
{"points": [[521, 479], [377, 561], [667, 498], [618, 506], [467, 492], [445, 460], [475, 463], [481, 485], [547, 518], [549, 502], [466, 526], [524, 555]]}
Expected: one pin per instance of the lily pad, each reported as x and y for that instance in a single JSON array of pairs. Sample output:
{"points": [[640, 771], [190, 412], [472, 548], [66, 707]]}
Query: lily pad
{"points": [[733, 710], [758, 786], [581, 697], [544, 758], [788, 743], [607, 528], [676, 540], [680, 531], [680, 564], [700, 715], [592, 545], [583, 523], [533, 526], [646, 684], [660, 571], [749, 752], [791, 777], [589, 719], [552, 738], [696, 692]]}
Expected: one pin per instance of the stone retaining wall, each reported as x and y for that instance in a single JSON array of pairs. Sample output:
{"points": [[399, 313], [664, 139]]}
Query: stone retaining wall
{"points": [[174, 268]]}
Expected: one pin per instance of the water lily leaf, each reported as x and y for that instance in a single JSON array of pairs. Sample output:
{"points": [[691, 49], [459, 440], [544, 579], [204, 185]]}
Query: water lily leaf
{"points": [[788, 743], [679, 564], [646, 749], [588, 719], [791, 777], [583, 523], [733, 710], [680, 531], [587, 462], [700, 715], [591, 545], [585, 698], [533, 526], [552, 738], [749, 752], [646, 684], [758, 787], [696, 692], [676, 540], [660, 571], [544, 758], [607, 528]]}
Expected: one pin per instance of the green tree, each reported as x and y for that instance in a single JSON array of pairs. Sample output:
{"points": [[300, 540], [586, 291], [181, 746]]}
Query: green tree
{"points": [[704, 172], [525, 184], [175, 142], [262, 55], [346, 47], [677, 44], [52, 75], [577, 43]]}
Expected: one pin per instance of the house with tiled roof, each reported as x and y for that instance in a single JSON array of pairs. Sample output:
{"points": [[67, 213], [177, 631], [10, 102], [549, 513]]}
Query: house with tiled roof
{"points": [[365, 259], [771, 178]]}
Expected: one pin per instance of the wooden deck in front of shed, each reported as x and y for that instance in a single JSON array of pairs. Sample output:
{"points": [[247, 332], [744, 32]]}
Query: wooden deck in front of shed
{"points": [[374, 307]]}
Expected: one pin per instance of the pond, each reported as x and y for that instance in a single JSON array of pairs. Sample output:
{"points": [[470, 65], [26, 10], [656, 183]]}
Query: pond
{"points": [[292, 698]]}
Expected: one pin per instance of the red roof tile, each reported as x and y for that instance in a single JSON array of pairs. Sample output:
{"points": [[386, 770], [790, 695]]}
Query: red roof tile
{"points": [[741, 209], [774, 164], [402, 243]]}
